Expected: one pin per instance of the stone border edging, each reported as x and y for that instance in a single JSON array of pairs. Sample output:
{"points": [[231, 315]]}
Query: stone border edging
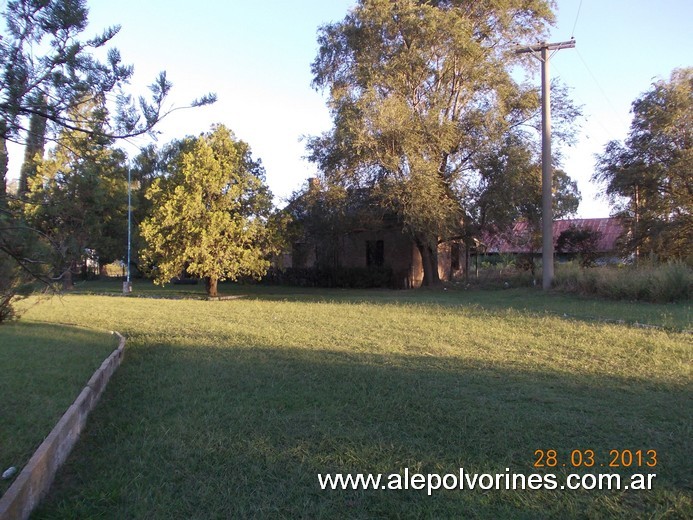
{"points": [[35, 480]]}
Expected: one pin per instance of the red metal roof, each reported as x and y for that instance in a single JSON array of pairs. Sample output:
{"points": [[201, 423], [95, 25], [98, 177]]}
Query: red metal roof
{"points": [[518, 239]]}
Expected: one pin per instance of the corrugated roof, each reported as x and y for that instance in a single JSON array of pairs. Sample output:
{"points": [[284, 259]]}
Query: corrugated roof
{"points": [[518, 239]]}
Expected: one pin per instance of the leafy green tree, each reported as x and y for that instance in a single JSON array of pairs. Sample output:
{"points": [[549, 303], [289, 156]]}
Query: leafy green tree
{"points": [[3, 172], [508, 188], [147, 166], [33, 150], [77, 199], [648, 178], [581, 241], [209, 213], [46, 71], [416, 90]]}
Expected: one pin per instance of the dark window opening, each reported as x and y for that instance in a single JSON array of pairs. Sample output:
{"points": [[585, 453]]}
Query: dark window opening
{"points": [[375, 253], [455, 256], [299, 254]]}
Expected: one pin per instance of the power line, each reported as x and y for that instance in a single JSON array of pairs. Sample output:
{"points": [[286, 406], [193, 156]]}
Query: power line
{"points": [[596, 82], [572, 35], [576, 94]]}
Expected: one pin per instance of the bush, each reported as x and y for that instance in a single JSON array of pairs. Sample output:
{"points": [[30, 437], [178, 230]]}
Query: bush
{"points": [[14, 286], [657, 284], [581, 242], [344, 277], [499, 278]]}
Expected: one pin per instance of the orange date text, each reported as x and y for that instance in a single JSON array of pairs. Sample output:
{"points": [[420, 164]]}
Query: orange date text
{"points": [[587, 458]]}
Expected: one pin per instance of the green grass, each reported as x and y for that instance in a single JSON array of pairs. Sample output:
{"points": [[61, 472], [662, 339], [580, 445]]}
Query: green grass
{"points": [[43, 367], [672, 316], [230, 409]]}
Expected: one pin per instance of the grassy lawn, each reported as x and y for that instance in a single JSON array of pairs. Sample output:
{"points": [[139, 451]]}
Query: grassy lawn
{"points": [[231, 409], [43, 367], [673, 316]]}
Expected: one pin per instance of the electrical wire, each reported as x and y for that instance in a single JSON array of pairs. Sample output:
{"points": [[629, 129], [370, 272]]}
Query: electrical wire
{"points": [[596, 81], [576, 20], [609, 133]]}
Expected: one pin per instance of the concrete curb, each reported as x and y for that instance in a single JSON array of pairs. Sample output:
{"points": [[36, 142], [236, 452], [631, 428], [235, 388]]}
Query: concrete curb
{"points": [[35, 480]]}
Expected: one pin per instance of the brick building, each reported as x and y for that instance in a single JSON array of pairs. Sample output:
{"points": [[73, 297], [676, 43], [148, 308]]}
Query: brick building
{"points": [[367, 237]]}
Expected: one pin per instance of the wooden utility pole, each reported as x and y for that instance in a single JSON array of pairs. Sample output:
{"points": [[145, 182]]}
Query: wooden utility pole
{"points": [[546, 169]]}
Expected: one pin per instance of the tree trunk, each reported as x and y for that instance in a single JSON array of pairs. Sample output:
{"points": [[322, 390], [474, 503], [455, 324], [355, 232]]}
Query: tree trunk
{"points": [[35, 145], [3, 166], [68, 283], [429, 261], [211, 286]]}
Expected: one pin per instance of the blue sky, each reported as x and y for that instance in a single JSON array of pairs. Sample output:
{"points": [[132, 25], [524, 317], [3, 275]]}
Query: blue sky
{"points": [[256, 56]]}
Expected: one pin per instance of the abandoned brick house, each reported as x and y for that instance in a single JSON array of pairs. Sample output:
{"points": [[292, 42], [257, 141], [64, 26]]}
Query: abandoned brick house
{"points": [[370, 239], [387, 248]]}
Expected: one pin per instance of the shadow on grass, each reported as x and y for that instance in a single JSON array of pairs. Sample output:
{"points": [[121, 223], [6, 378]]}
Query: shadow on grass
{"points": [[42, 370], [205, 432]]}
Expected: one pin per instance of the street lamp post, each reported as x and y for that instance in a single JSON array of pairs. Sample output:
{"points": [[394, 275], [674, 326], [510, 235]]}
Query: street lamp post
{"points": [[127, 284]]}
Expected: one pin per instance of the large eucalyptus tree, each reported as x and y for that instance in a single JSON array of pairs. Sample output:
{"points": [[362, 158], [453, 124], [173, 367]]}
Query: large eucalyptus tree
{"points": [[416, 90]]}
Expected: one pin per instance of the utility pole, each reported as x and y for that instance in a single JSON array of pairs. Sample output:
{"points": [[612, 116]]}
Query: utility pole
{"points": [[636, 230], [546, 168]]}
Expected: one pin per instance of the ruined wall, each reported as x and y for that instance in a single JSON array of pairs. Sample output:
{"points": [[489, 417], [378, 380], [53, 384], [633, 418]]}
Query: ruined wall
{"points": [[398, 254], [450, 261]]}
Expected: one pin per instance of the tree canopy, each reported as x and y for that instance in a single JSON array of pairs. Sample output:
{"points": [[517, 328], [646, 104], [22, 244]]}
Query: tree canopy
{"points": [[47, 70], [508, 188], [77, 199], [210, 213], [417, 90], [649, 177]]}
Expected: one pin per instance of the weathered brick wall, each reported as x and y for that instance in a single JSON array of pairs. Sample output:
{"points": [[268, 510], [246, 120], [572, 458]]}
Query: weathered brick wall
{"points": [[399, 254]]}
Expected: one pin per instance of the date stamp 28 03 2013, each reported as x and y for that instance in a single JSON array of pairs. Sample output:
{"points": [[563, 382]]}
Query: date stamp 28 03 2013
{"points": [[587, 458]]}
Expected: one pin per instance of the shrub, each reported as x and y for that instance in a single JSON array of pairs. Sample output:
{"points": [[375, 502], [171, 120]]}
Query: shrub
{"points": [[579, 241], [345, 277]]}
